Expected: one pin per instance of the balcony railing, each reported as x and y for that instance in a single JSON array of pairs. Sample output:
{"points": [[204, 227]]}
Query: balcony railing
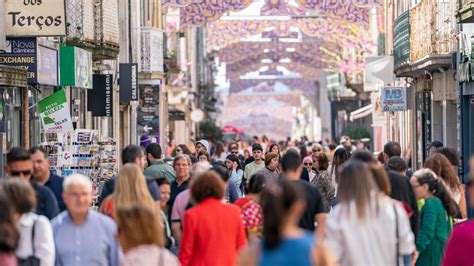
{"points": [[434, 30], [151, 51], [401, 40], [92, 21]]}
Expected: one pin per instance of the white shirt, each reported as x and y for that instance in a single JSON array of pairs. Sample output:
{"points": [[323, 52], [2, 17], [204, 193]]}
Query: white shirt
{"points": [[371, 241], [43, 239]]}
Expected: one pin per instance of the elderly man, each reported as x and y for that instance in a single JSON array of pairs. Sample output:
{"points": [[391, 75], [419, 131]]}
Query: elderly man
{"points": [[43, 176], [19, 165], [83, 236]]}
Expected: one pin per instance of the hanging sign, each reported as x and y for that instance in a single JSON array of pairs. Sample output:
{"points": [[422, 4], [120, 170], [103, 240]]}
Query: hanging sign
{"points": [[394, 99], [35, 18], [47, 66], [75, 67], [99, 99], [21, 53], [54, 113], [128, 82]]}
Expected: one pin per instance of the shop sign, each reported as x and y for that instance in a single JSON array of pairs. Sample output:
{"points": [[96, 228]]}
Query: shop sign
{"points": [[148, 109], [128, 82], [47, 66], [35, 18], [75, 67], [21, 52], [394, 99], [100, 98], [54, 113]]}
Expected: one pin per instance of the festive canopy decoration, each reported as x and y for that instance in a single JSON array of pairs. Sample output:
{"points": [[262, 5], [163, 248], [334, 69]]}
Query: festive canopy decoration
{"points": [[356, 11], [257, 50], [305, 86], [280, 8], [221, 34]]}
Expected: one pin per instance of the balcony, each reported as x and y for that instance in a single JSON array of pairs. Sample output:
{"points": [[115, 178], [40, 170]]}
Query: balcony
{"points": [[151, 51], [465, 12], [93, 25], [401, 40], [432, 37]]}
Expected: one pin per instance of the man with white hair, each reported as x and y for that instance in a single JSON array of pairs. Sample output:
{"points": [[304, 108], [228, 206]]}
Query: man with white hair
{"points": [[83, 236]]}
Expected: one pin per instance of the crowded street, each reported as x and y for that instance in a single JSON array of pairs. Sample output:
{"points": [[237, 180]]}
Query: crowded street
{"points": [[243, 132]]}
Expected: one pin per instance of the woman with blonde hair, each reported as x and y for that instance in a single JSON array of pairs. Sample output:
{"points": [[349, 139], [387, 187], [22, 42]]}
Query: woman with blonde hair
{"points": [[141, 237], [130, 189]]}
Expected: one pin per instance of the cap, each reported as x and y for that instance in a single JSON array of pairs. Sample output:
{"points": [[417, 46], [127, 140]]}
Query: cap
{"points": [[145, 140], [204, 143]]}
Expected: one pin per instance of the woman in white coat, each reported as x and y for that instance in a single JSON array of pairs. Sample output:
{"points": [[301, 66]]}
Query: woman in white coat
{"points": [[36, 235]]}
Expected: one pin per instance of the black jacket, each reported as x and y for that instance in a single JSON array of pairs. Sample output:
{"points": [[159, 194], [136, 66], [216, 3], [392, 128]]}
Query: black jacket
{"points": [[403, 191], [46, 203]]}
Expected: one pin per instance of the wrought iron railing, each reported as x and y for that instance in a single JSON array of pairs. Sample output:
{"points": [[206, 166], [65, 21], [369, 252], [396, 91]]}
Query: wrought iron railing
{"points": [[434, 30], [401, 40], [93, 21]]}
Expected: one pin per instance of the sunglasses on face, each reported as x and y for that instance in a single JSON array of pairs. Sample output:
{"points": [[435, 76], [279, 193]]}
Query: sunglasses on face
{"points": [[308, 164], [18, 173], [235, 152], [179, 150]]}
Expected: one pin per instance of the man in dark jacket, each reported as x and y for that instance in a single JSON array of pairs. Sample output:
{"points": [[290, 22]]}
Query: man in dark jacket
{"points": [[43, 176], [19, 165]]}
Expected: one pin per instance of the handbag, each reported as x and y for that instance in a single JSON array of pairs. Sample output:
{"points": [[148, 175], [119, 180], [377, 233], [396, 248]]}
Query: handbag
{"points": [[30, 260]]}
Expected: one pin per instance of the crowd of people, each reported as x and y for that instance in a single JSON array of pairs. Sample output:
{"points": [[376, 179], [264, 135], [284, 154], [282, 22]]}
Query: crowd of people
{"points": [[266, 204]]}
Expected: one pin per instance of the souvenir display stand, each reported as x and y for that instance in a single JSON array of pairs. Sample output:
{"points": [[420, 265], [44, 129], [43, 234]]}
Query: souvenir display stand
{"points": [[82, 152]]}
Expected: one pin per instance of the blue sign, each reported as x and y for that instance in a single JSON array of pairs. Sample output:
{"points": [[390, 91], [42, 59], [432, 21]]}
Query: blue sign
{"points": [[21, 52], [394, 99]]}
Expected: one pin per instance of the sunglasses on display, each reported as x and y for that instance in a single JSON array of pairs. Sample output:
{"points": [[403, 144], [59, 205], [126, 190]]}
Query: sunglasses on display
{"points": [[18, 173]]}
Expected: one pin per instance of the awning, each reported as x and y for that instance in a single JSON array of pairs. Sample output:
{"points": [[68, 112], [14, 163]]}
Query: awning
{"points": [[361, 112]]}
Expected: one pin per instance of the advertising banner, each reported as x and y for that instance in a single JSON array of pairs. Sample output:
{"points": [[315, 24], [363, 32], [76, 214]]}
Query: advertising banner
{"points": [[128, 82], [100, 98], [35, 18], [47, 66], [148, 111], [54, 113], [394, 99], [75, 67], [21, 52]]}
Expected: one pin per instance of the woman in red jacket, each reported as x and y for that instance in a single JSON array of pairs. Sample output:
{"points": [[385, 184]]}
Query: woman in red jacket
{"points": [[213, 232]]}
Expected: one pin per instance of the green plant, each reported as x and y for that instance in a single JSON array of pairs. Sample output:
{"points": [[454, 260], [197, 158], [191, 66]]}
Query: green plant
{"points": [[210, 131], [356, 132]]}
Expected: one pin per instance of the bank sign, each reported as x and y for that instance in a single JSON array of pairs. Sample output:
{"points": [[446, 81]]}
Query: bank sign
{"points": [[21, 53], [40, 62], [35, 17], [394, 99]]}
